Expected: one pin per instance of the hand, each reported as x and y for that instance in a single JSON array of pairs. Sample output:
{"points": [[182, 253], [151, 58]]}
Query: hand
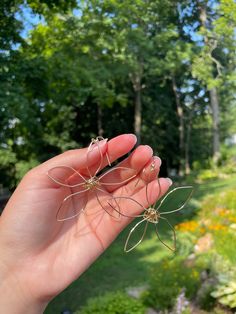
{"points": [[41, 256]]}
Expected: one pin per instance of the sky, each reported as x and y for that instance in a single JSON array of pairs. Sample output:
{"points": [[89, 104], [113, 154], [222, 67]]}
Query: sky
{"points": [[29, 19]]}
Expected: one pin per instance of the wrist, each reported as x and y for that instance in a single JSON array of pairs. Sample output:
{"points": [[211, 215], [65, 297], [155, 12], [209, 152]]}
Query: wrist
{"points": [[15, 298]]}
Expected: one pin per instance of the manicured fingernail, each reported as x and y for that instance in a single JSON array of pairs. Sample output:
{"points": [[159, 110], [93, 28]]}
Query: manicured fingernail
{"points": [[170, 181], [157, 159], [149, 148], [132, 135], [102, 143]]}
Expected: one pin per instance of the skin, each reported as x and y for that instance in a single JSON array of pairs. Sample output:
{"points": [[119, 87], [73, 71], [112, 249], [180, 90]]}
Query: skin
{"points": [[40, 256]]}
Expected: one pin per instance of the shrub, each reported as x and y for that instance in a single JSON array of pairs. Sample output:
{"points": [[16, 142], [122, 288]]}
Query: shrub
{"points": [[225, 293], [204, 298], [225, 199], [207, 174], [113, 303], [225, 289], [218, 216], [223, 245], [168, 279]]}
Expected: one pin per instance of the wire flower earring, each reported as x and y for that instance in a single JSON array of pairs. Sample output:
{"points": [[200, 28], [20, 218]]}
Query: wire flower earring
{"points": [[173, 201], [81, 186]]}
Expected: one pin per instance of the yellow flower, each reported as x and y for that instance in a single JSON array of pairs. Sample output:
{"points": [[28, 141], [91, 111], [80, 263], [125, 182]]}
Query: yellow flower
{"points": [[217, 227], [187, 226]]}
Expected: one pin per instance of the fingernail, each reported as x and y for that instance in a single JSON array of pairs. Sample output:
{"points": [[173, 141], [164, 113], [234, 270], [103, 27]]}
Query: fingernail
{"points": [[149, 148], [102, 143], [170, 181], [132, 135], [157, 159]]}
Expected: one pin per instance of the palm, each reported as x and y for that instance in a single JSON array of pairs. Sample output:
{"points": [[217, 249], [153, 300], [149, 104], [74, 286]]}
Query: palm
{"points": [[52, 254]]}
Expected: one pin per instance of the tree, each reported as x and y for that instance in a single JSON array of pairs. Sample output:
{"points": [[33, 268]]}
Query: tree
{"points": [[211, 65]]}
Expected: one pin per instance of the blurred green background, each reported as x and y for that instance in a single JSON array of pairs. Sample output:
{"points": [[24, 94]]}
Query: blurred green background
{"points": [[164, 70]]}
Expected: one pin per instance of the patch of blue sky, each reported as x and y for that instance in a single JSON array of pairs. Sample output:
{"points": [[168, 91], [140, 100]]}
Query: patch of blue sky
{"points": [[195, 36], [29, 19], [77, 12]]}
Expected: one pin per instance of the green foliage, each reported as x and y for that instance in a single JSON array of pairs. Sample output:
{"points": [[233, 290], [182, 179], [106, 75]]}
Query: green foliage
{"points": [[224, 290], [7, 157], [228, 167], [205, 299], [223, 243], [224, 200], [7, 166], [168, 279], [45, 6], [113, 303], [225, 293], [185, 243], [218, 217], [78, 73], [208, 174], [22, 167]]}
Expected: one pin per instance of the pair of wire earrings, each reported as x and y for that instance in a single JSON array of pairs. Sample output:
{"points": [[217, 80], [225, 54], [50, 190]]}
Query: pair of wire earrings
{"points": [[82, 185]]}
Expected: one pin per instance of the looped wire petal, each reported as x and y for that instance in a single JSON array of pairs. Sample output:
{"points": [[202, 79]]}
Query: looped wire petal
{"points": [[82, 187]]}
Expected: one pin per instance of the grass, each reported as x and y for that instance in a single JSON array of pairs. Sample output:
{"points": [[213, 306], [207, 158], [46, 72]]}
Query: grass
{"points": [[116, 270]]}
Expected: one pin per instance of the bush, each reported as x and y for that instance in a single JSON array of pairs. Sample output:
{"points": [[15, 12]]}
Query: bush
{"points": [[207, 174], [225, 293], [24, 166], [113, 303], [168, 279], [225, 199], [223, 245], [218, 216]]}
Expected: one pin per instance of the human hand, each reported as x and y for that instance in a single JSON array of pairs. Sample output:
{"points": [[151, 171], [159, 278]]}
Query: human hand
{"points": [[41, 256]]}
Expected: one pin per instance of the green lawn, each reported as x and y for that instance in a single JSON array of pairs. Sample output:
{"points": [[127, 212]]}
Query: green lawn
{"points": [[117, 270]]}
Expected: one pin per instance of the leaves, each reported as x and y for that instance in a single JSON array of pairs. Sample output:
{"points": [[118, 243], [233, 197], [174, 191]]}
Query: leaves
{"points": [[78, 72]]}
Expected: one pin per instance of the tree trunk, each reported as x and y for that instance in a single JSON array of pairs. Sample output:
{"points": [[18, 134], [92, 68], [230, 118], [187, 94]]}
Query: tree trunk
{"points": [[136, 79], [187, 146], [180, 114], [99, 120], [138, 115], [215, 117], [213, 98], [188, 141]]}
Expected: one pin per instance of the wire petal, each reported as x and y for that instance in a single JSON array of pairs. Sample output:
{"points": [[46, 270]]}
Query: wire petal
{"points": [[126, 206], [102, 197], [117, 176], [172, 248], [175, 200], [65, 176], [72, 205], [101, 138], [95, 145], [134, 239]]}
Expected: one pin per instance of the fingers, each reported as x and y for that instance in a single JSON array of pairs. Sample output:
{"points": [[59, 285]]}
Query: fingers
{"points": [[127, 169], [116, 148], [75, 160], [119, 146], [149, 173]]}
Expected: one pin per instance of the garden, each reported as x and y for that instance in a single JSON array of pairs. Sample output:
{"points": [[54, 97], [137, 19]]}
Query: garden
{"points": [[199, 278]]}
